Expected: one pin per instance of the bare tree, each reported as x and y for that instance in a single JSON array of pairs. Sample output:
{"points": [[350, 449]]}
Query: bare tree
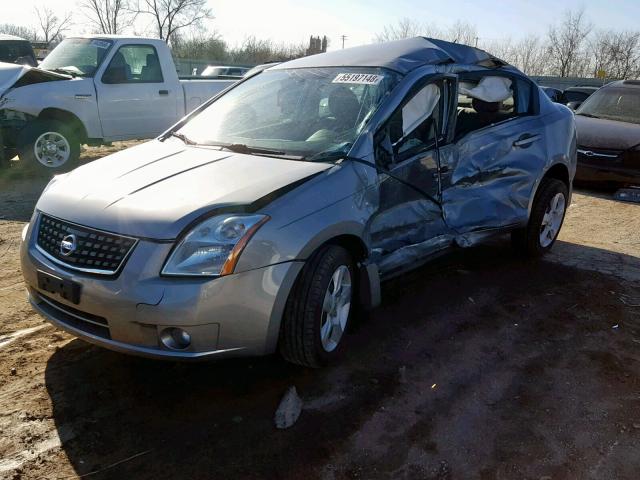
{"points": [[566, 42], [51, 26], [462, 32], [200, 45], [172, 15], [18, 31], [459, 32], [404, 28], [108, 16], [529, 55], [503, 49]]}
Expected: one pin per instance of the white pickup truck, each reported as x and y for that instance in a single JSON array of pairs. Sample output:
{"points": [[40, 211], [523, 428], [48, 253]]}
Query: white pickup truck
{"points": [[93, 90]]}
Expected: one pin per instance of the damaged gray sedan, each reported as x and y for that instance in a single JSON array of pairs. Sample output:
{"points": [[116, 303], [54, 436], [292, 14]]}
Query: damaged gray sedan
{"points": [[265, 219]]}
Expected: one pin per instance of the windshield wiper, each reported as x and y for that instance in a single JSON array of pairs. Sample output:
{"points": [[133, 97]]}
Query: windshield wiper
{"points": [[182, 137], [242, 148], [247, 150], [333, 155], [326, 157], [65, 71]]}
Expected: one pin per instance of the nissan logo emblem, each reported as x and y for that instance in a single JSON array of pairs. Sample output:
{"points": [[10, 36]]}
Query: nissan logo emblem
{"points": [[68, 245]]}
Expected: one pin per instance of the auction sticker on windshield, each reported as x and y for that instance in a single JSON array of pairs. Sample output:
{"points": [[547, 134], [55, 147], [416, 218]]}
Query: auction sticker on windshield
{"points": [[100, 43], [358, 78]]}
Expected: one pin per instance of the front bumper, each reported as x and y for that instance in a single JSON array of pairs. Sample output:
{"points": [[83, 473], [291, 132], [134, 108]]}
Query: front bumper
{"points": [[606, 174], [235, 315]]}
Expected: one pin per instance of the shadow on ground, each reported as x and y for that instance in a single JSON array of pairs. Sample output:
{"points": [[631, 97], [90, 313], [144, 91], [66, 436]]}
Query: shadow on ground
{"points": [[480, 365]]}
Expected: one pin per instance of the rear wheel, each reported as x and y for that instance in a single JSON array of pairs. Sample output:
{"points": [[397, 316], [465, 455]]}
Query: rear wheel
{"points": [[547, 214], [319, 308], [50, 145]]}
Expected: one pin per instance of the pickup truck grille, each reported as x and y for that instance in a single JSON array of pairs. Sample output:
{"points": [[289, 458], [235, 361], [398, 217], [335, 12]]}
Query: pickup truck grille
{"points": [[88, 250]]}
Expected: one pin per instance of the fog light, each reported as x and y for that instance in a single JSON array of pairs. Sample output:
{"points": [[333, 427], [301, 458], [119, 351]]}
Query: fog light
{"points": [[175, 338]]}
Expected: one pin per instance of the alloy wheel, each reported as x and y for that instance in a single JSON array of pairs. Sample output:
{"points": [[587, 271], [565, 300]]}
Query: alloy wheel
{"points": [[552, 220], [335, 308]]}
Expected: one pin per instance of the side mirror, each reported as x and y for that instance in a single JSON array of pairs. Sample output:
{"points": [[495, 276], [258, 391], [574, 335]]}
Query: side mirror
{"points": [[574, 105]]}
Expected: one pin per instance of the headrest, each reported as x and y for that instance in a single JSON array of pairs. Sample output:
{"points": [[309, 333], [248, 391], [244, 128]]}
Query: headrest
{"points": [[152, 60], [489, 89], [344, 103]]}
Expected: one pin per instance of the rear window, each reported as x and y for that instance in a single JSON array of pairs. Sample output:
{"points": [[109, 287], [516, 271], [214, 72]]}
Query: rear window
{"points": [[575, 96], [12, 51]]}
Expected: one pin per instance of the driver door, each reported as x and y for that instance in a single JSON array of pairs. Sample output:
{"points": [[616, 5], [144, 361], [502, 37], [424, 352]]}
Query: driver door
{"points": [[408, 225], [134, 98]]}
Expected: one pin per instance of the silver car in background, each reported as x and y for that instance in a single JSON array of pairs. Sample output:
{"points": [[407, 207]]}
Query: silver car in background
{"points": [[266, 218]]}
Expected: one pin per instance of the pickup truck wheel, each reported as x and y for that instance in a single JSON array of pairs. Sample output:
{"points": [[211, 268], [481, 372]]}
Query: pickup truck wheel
{"points": [[51, 145], [319, 308], [545, 221]]}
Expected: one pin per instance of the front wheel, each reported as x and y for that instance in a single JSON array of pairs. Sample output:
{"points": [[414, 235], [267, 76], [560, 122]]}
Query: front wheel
{"points": [[547, 214], [50, 145], [319, 308]]}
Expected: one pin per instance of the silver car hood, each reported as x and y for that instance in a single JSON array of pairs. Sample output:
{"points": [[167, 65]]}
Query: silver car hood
{"points": [[156, 189]]}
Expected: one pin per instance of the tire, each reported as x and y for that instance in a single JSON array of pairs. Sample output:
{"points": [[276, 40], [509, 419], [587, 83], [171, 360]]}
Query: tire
{"points": [[41, 134], [537, 238], [311, 335]]}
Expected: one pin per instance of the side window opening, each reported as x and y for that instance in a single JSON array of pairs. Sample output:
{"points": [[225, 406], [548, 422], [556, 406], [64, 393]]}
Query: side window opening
{"points": [[411, 129], [489, 100], [134, 64]]}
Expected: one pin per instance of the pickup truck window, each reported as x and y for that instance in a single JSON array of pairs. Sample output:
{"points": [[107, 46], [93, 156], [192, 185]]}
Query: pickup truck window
{"points": [[17, 51], [134, 64], [77, 56], [309, 112]]}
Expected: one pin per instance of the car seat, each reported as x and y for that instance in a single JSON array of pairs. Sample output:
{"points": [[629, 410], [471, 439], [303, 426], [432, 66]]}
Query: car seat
{"points": [[344, 107], [151, 72]]}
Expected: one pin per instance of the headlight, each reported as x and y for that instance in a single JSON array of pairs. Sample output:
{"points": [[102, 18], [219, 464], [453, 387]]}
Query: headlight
{"points": [[213, 247]]}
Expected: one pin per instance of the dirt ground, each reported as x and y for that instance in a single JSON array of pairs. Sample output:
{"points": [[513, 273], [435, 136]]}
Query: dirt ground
{"points": [[481, 365]]}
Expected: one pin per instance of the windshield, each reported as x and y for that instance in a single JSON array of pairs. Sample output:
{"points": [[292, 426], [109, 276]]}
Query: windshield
{"points": [[77, 56], [300, 112], [622, 104]]}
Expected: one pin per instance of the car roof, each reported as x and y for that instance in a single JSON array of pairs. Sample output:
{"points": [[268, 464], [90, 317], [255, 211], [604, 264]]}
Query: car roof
{"points": [[400, 55], [224, 66], [583, 89], [105, 36], [624, 83], [5, 37]]}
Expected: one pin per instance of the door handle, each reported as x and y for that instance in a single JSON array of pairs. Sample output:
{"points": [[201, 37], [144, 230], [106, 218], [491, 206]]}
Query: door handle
{"points": [[526, 140], [163, 92]]}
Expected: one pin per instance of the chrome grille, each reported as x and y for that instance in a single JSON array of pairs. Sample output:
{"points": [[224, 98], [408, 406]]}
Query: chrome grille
{"points": [[87, 249]]}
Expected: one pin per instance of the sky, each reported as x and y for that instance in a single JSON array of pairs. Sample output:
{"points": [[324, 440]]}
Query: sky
{"points": [[293, 21]]}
